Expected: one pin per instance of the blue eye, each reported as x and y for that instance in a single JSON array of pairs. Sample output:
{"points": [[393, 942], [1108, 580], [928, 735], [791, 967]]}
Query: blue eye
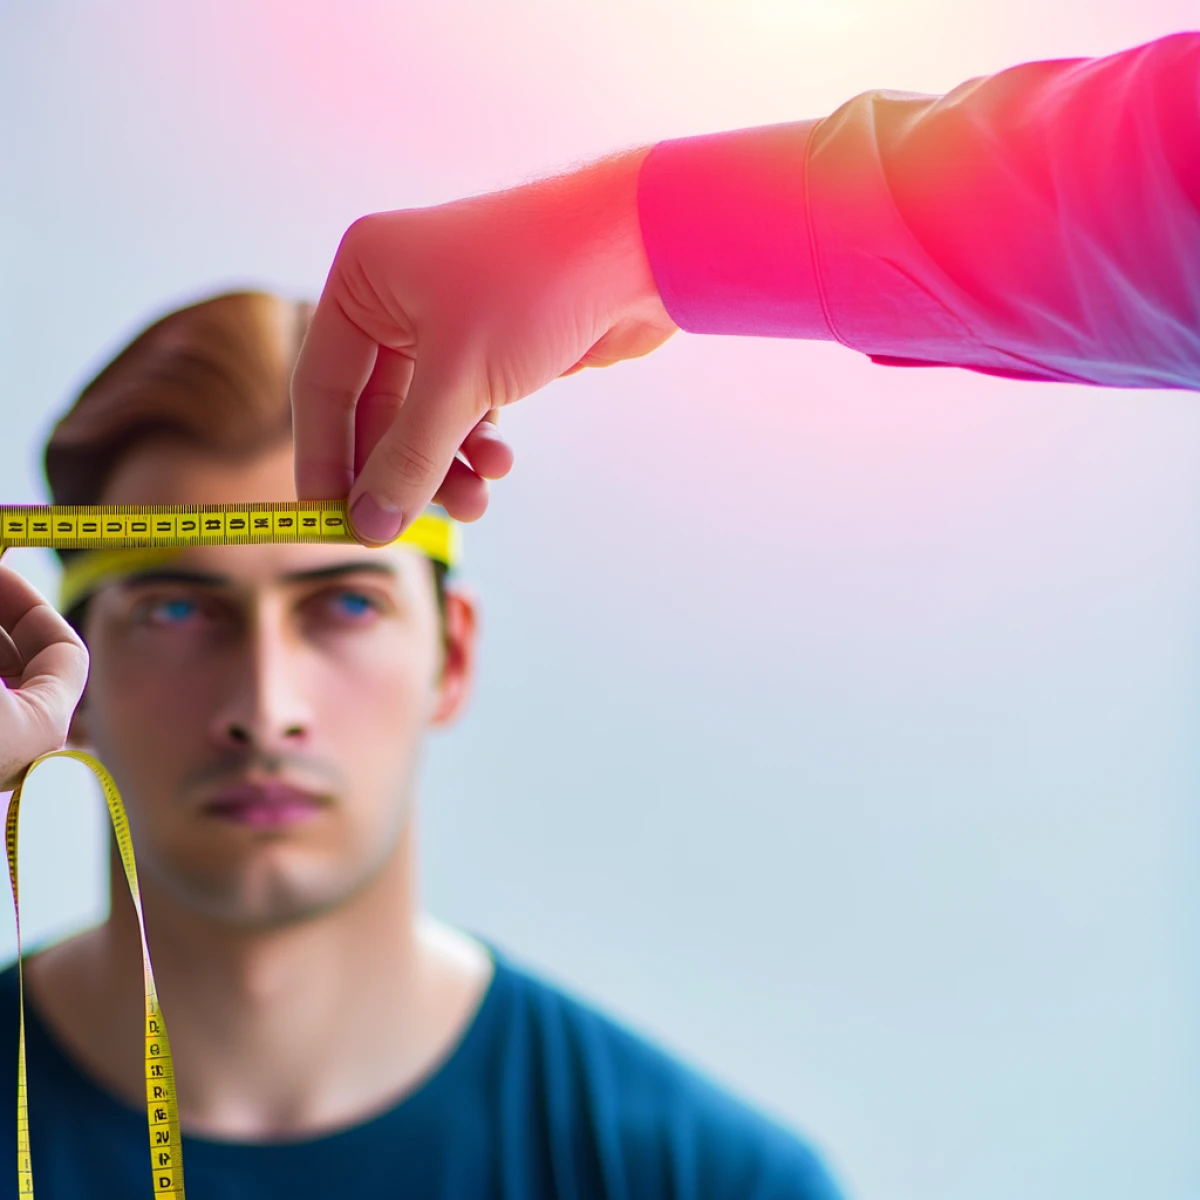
{"points": [[354, 604], [173, 612]]}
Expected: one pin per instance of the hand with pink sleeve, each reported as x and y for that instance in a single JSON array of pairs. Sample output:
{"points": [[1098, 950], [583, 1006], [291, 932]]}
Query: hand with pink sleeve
{"points": [[1041, 223]]}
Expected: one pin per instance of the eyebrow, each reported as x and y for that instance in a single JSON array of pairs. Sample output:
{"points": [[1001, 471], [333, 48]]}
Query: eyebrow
{"points": [[208, 579]]}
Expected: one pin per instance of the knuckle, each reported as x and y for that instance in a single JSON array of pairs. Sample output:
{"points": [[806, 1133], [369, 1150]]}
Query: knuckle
{"points": [[338, 396], [360, 232], [406, 463]]}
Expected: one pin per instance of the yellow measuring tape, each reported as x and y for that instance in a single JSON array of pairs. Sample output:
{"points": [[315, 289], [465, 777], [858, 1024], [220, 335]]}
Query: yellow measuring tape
{"points": [[110, 532], [162, 1110]]}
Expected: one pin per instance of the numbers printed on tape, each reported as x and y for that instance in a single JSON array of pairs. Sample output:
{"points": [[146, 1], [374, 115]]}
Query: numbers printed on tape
{"points": [[160, 526], [104, 527]]}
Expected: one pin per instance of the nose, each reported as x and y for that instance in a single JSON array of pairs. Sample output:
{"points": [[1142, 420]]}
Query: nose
{"points": [[265, 708]]}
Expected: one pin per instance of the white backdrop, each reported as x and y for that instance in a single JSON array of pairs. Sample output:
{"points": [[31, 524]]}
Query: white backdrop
{"points": [[842, 732]]}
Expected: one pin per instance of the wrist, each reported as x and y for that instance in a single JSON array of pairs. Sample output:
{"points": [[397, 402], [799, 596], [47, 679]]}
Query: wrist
{"points": [[594, 213], [616, 184]]}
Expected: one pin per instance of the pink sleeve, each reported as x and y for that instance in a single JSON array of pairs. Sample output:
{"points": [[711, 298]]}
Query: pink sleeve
{"points": [[1041, 223]]}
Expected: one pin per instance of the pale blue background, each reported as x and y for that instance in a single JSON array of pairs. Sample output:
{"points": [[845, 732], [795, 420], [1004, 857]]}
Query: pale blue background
{"points": [[837, 725]]}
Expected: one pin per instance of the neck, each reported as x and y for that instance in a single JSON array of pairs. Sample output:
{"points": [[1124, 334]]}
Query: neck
{"points": [[265, 1026], [237, 978]]}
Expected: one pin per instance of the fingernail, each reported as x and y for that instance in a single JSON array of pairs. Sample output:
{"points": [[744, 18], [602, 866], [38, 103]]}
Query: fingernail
{"points": [[373, 522]]}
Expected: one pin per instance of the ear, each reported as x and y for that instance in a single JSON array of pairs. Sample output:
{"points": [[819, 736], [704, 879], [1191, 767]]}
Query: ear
{"points": [[459, 645]]}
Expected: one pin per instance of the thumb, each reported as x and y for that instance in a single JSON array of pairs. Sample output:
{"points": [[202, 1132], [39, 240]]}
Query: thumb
{"points": [[414, 454]]}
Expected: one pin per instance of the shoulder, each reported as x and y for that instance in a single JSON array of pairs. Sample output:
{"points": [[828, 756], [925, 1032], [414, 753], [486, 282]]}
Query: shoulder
{"points": [[673, 1131]]}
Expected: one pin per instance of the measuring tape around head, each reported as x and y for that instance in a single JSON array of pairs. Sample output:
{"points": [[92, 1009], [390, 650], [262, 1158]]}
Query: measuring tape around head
{"points": [[128, 526], [109, 533], [101, 527]]}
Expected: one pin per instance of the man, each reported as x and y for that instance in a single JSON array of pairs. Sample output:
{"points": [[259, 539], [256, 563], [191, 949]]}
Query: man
{"points": [[1040, 223], [263, 710]]}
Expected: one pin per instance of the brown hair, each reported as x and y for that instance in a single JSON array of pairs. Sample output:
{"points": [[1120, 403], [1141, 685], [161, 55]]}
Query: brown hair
{"points": [[214, 373]]}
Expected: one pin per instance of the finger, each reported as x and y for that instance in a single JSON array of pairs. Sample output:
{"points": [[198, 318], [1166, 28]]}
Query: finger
{"points": [[10, 657], [37, 705], [18, 597], [55, 670], [54, 679], [380, 402], [11, 663], [36, 713], [334, 365], [463, 494], [490, 456], [411, 459], [39, 635], [41, 640]]}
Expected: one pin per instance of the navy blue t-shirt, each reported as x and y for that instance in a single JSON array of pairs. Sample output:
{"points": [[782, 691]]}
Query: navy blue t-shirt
{"points": [[542, 1097]]}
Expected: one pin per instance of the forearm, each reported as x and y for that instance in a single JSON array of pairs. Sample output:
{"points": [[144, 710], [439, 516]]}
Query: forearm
{"points": [[1042, 223]]}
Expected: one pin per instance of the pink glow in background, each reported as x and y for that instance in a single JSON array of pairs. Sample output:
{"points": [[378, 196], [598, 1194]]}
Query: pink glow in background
{"points": [[839, 727]]}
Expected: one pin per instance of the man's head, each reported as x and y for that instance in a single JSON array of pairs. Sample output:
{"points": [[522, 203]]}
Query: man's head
{"points": [[262, 708]]}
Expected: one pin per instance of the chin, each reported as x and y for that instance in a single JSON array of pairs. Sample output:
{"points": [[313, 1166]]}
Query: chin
{"points": [[262, 914], [256, 901], [273, 885]]}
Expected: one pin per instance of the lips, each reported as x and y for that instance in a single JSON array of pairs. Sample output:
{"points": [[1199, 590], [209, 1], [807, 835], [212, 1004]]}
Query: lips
{"points": [[270, 806]]}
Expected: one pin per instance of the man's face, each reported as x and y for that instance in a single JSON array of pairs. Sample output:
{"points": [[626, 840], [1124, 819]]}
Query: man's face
{"points": [[262, 708]]}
